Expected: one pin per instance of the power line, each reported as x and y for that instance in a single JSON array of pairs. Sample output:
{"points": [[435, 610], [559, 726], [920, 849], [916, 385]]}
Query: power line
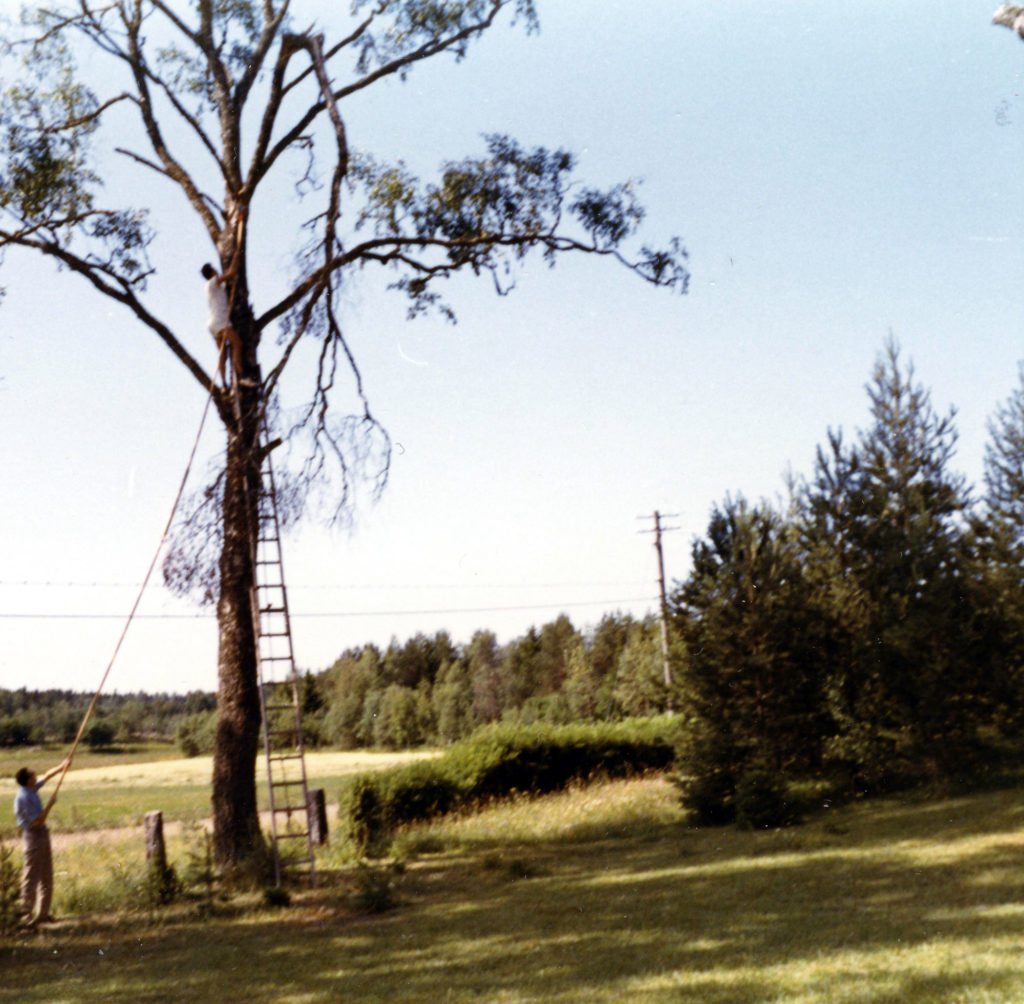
{"points": [[323, 587], [327, 615]]}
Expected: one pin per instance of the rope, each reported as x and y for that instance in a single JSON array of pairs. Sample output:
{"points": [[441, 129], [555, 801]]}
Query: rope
{"points": [[145, 583]]}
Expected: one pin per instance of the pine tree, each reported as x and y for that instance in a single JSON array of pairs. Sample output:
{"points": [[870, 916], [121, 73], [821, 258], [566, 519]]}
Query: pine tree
{"points": [[753, 685], [885, 533]]}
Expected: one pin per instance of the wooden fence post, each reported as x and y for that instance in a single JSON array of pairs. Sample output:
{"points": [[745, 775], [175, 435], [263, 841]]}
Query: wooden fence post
{"points": [[156, 851], [316, 811]]}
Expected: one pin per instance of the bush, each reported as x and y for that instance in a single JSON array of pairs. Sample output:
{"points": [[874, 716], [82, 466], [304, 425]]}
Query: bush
{"points": [[10, 889], [100, 735], [195, 733], [362, 820], [762, 801], [162, 883], [497, 762], [18, 732], [374, 890], [709, 797]]}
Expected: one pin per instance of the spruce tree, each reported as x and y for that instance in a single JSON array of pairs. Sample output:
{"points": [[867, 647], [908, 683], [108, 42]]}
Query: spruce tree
{"points": [[753, 687], [885, 534]]}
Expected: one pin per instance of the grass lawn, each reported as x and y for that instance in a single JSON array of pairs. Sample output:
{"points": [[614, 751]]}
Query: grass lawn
{"points": [[600, 895]]}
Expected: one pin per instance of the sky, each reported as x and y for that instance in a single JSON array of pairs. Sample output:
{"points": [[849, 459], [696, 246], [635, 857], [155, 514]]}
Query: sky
{"points": [[836, 179]]}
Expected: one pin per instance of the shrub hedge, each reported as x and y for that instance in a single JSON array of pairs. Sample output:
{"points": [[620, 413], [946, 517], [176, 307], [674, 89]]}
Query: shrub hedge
{"points": [[494, 763]]}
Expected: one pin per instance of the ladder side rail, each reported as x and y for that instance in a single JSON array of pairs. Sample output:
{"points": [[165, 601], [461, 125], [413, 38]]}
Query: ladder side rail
{"points": [[257, 623]]}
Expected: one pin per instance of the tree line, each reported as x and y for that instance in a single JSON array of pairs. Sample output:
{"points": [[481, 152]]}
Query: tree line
{"points": [[432, 691], [428, 690], [35, 717], [870, 626]]}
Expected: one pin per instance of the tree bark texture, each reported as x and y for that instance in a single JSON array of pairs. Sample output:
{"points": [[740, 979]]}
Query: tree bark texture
{"points": [[236, 829]]}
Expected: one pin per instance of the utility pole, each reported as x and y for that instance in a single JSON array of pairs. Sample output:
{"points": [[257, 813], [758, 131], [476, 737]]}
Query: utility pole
{"points": [[658, 531]]}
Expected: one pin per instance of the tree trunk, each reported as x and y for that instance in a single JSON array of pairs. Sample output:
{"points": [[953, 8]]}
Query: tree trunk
{"points": [[236, 829]]}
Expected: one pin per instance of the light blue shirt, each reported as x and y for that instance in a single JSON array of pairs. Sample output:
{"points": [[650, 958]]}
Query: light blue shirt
{"points": [[28, 806]]}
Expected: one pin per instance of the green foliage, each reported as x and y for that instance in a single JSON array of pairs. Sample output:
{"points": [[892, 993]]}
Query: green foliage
{"points": [[870, 633], [99, 735], [10, 889], [430, 691], [754, 679], [53, 716], [496, 763], [374, 890], [162, 883], [124, 889], [762, 801], [709, 797], [18, 732], [486, 213], [415, 23], [276, 896], [363, 822], [201, 879], [640, 688], [909, 670], [196, 733]]}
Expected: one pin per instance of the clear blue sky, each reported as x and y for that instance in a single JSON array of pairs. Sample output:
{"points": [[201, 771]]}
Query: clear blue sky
{"points": [[836, 174]]}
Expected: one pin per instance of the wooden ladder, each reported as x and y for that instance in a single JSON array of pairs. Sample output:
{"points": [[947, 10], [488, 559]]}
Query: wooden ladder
{"points": [[291, 828]]}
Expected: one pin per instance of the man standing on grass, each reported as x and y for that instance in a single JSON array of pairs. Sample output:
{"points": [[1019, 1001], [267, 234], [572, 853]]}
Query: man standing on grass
{"points": [[37, 877]]}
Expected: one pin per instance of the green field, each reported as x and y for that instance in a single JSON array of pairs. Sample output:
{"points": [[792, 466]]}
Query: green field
{"points": [[601, 894], [104, 790]]}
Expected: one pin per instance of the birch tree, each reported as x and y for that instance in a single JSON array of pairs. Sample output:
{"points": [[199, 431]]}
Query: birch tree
{"points": [[217, 101]]}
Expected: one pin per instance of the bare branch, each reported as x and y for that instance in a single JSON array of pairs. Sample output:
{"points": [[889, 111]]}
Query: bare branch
{"points": [[396, 65], [92, 116], [172, 168], [271, 26], [333, 51], [138, 158]]}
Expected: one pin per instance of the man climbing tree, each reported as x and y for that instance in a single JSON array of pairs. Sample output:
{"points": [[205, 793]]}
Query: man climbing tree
{"points": [[220, 294], [172, 85]]}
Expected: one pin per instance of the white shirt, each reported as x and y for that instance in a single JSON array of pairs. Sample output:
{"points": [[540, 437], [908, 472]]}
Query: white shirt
{"points": [[220, 311]]}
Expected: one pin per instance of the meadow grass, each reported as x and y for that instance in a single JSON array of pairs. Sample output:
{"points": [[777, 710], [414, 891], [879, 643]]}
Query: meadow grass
{"points": [[602, 894], [104, 791]]}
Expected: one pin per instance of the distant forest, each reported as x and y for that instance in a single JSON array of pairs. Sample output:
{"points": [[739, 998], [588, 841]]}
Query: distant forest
{"points": [[425, 691], [34, 717]]}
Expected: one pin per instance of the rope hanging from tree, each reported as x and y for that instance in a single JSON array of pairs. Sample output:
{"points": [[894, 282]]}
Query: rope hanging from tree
{"points": [[142, 588]]}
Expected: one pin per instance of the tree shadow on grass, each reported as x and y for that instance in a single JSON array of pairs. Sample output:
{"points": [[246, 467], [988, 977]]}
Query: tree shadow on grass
{"points": [[900, 901]]}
